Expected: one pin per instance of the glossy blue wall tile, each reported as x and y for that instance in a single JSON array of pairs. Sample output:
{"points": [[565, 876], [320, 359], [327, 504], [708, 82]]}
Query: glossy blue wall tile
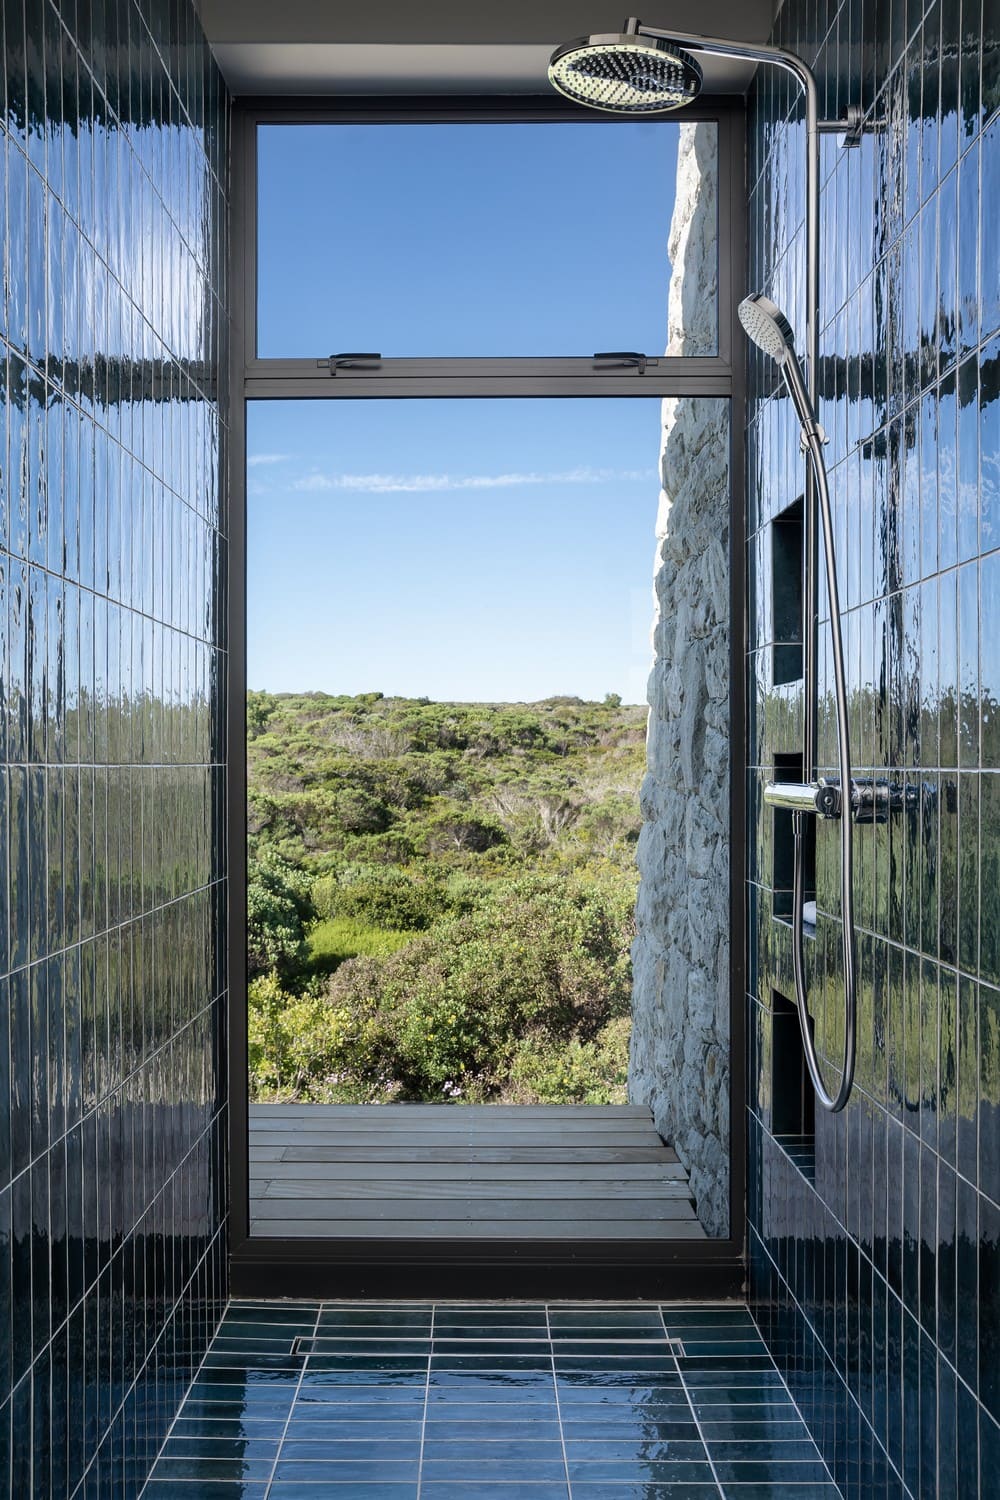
{"points": [[113, 140], [875, 1259]]}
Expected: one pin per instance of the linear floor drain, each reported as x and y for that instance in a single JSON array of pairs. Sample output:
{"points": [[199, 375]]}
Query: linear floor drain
{"points": [[334, 1344]]}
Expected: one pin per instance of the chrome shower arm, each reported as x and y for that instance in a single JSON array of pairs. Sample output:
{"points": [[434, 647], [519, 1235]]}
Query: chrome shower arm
{"points": [[777, 56], [671, 77], [804, 395]]}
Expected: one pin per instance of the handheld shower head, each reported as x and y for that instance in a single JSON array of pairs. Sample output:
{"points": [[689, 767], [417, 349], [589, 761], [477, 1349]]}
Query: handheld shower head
{"points": [[767, 326], [625, 73]]}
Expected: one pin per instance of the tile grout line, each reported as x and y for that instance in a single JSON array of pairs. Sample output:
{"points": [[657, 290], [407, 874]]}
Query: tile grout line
{"points": [[291, 1409], [363, 1335], [687, 1397], [427, 1397], [555, 1391]]}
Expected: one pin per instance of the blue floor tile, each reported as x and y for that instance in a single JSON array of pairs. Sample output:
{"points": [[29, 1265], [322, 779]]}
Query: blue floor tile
{"points": [[770, 1471], [213, 1468], [649, 1470], [346, 1470], [776, 1423], [455, 1408], [168, 1489], [477, 1472], [630, 1427], [781, 1491], [461, 1490], [352, 1446], [633, 1447], [371, 1394], [237, 1449], [488, 1429], [336, 1490], [316, 1423], [514, 1448], [644, 1491]]}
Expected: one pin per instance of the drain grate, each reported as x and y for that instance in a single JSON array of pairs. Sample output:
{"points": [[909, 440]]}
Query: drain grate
{"points": [[303, 1346]]}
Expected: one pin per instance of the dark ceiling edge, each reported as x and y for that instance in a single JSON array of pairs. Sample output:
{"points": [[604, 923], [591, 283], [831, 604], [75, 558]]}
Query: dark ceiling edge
{"points": [[495, 104]]}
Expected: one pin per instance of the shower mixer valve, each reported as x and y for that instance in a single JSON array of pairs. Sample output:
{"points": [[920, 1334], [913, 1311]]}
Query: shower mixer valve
{"points": [[871, 801]]}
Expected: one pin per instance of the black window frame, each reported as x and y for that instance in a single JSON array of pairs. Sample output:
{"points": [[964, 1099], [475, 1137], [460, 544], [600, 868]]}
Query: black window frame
{"points": [[265, 1265]]}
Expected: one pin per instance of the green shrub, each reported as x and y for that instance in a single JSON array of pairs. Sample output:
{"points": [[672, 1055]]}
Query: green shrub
{"points": [[290, 1039], [340, 938], [549, 1071], [452, 828], [381, 896], [279, 909], [538, 957], [301, 1046]]}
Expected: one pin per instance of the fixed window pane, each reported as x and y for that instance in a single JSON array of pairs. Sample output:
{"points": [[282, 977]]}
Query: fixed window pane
{"points": [[453, 240], [458, 549]]}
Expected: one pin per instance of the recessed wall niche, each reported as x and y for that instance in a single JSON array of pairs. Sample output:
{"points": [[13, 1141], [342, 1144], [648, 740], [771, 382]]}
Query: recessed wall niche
{"points": [[786, 594], [789, 767]]}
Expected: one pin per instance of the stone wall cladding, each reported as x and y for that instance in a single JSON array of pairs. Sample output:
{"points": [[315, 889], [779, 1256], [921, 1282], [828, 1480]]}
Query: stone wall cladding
{"points": [[679, 1061]]}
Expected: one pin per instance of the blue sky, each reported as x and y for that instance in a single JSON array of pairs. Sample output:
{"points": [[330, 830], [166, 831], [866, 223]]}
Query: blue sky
{"points": [[494, 550]]}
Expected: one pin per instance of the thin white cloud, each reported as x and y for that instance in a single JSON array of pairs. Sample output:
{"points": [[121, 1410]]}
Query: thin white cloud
{"points": [[419, 484], [256, 459]]}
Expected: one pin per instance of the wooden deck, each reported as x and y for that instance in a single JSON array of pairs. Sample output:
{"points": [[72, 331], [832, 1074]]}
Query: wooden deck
{"points": [[440, 1171]]}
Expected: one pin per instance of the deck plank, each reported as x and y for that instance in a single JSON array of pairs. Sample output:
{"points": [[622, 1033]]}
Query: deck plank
{"points": [[458, 1172], [458, 1153], [471, 1111], [463, 1191], [484, 1229], [449, 1171]]}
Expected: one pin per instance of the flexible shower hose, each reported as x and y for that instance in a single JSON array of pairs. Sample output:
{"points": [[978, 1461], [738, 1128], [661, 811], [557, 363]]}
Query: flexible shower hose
{"points": [[813, 442]]}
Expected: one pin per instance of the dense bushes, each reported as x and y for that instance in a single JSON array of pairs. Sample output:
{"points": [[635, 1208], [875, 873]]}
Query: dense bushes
{"points": [[518, 993], [441, 898]]}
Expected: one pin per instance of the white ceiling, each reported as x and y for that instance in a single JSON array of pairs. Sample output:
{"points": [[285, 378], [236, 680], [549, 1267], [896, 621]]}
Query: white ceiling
{"points": [[397, 46]]}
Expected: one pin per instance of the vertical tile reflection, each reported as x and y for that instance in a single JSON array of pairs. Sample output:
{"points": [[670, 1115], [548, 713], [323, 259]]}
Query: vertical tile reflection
{"points": [[110, 337], [898, 1310]]}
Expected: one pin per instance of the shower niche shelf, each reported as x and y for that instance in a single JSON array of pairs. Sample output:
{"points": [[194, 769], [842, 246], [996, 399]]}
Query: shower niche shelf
{"points": [[793, 1103], [786, 594], [788, 767]]}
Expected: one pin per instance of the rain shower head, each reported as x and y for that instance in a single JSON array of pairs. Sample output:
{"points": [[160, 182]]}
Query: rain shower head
{"points": [[625, 73], [767, 326]]}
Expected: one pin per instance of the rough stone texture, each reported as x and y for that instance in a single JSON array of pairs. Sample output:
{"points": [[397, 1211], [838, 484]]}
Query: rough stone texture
{"points": [[679, 1061]]}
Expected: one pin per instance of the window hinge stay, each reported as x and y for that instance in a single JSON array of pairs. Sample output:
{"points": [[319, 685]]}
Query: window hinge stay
{"points": [[623, 359], [349, 361]]}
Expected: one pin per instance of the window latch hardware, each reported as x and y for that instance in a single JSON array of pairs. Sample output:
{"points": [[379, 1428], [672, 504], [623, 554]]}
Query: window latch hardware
{"points": [[623, 359], [350, 361]]}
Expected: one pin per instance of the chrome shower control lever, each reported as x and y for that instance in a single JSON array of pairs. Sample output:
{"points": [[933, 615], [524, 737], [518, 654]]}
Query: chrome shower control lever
{"points": [[873, 801]]}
